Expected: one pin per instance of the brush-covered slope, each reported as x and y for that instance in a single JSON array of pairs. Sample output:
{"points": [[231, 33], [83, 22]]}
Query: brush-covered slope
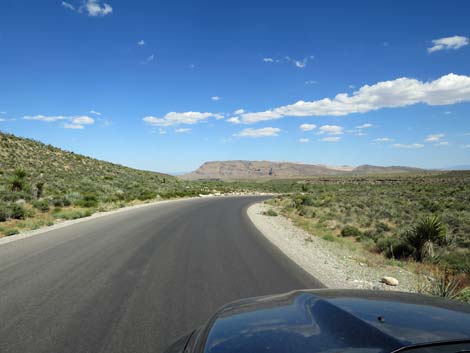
{"points": [[31, 170], [232, 170]]}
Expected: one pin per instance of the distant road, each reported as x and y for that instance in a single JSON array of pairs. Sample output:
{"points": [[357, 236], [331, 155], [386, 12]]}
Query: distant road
{"points": [[137, 280]]}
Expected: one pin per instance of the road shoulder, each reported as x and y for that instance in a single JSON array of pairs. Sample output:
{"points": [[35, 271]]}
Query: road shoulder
{"points": [[333, 265]]}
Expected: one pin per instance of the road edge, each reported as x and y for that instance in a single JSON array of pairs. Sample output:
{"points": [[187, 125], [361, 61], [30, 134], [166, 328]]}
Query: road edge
{"points": [[62, 224]]}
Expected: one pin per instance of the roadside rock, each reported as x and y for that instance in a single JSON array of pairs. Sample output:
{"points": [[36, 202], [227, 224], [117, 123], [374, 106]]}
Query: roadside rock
{"points": [[391, 281]]}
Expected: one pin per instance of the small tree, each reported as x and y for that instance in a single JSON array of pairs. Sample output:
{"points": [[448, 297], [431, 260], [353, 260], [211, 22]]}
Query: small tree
{"points": [[423, 236]]}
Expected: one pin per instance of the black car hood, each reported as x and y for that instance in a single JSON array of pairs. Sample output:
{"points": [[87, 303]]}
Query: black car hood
{"points": [[332, 321]]}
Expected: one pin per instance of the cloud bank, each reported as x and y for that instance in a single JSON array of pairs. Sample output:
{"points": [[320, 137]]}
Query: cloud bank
{"points": [[401, 92]]}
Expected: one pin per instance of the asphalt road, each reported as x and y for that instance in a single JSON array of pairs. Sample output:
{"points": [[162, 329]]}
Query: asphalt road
{"points": [[137, 280]]}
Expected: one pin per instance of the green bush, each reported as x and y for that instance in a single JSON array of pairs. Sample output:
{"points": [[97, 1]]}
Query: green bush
{"points": [[350, 231], [41, 205], [457, 261], [270, 212], [4, 212], [464, 295], [328, 237], [88, 200], [17, 211], [12, 231], [393, 247], [382, 227], [147, 195], [61, 201], [424, 235]]}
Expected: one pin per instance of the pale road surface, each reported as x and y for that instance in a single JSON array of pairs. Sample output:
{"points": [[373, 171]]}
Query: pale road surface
{"points": [[135, 281]]}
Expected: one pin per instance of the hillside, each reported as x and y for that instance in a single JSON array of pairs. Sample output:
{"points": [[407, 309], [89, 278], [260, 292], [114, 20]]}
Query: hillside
{"points": [[41, 184], [232, 170], [50, 171]]}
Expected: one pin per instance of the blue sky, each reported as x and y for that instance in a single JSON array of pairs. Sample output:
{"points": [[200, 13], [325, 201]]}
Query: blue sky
{"points": [[169, 85]]}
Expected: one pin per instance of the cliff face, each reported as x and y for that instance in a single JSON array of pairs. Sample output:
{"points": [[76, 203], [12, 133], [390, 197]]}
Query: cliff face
{"points": [[265, 169]]}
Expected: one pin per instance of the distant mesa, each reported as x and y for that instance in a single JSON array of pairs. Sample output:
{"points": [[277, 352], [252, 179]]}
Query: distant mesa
{"points": [[240, 169]]}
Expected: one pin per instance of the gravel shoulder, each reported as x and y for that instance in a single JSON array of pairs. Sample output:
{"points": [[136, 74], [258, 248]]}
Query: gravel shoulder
{"points": [[331, 263]]}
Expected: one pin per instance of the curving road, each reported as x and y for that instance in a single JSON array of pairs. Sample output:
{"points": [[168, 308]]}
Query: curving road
{"points": [[137, 280]]}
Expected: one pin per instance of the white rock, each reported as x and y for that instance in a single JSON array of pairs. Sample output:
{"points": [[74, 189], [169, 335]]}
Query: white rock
{"points": [[391, 281]]}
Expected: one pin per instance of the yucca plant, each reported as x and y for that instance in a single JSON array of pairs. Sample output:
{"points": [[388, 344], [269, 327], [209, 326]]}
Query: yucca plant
{"points": [[445, 285], [423, 236]]}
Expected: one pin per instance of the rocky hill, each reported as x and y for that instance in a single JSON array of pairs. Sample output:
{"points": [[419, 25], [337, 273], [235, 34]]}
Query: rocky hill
{"points": [[32, 170], [232, 170]]}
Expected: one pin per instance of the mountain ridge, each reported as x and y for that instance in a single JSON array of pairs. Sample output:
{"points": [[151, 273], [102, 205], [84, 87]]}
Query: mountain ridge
{"points": [[247, 169]]}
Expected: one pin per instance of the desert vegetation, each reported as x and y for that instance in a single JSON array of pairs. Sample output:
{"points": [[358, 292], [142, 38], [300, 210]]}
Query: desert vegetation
{"points": [[420, 219]]}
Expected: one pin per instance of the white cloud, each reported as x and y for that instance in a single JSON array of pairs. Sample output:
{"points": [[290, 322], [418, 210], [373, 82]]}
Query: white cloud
{"points": [[331, 130], [448, 89], [68, 5], [239, 111], [2, 119], [268, 60], [434, 138], [234, 120], [82, 120], [351, 86], [364, 126], [331, 139], [94, 8], [442, 143], [46, 119], [447, 113], [70, 122], [141, 42], [311, 82], [73, 126], [447, 43], [307, 127], [410, 146], [149, 59], [95, 112], [263, 132], [185, 118], [383, 139], [304, 140], [215, 98], [300, 63], [183, 130]]}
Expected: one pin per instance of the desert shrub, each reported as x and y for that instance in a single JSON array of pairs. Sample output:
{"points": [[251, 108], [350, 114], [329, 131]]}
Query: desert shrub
{"points": [[88, 200], [41, 205], [147, 195], [369, 234], [72, 214], [464, 295], [4, 212], [350, 231], [382, 227], [303, 200], [393, 247], [59, 201], [17, 211], [445, 285], [11, 231], [270, 212], [424, 235], [458, 261], [328, 237]]}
